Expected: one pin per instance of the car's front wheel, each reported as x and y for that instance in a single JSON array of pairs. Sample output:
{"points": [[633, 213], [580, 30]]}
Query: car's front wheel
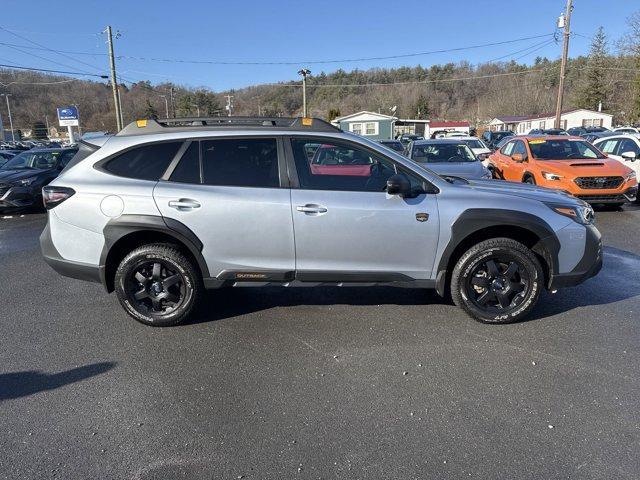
{"points": [[497, 281], [158, 285]]}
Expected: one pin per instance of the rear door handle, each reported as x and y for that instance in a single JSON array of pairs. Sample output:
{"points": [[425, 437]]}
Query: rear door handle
{"points": [[184, 204], [311, 208]]}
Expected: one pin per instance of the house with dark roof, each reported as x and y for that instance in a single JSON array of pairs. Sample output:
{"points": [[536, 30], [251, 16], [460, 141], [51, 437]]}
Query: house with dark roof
{"points": [[577, 117]]}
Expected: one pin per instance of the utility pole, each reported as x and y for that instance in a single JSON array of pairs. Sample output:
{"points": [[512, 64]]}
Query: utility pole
{"points": [[173, 105], [166, 105], [6, 96], [229, 105], [565, 21], [114, 84], [304, 72]]}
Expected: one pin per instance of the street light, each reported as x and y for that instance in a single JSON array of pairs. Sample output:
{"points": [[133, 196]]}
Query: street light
{"points": [[7, 95], [166, 105], [304, 72]]}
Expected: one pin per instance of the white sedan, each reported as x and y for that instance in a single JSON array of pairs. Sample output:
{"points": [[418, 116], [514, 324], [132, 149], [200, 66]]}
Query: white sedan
{"points": [[624, 148]]}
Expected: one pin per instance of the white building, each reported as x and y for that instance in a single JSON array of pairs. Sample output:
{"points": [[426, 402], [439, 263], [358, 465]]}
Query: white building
{"points": [[578, 117]]}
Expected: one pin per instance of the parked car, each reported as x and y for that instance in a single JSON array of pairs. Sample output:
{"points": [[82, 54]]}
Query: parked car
{"points": [[547, 131], [626, 130], [491, 139], [393, 145], [161, 211], [406, 138], [448, 157], [580, 131], [625, 148], [5, 156], [477, 146], [592, 137], [566, 163], [24, 175]]}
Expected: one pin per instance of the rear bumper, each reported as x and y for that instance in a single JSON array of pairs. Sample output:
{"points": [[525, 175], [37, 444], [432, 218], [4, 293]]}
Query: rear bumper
{"points": [[589, 265], [67, 268]]}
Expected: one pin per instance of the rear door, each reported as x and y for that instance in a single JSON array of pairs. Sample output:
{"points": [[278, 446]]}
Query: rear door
{"points": [[230, 193], [347, 228]]}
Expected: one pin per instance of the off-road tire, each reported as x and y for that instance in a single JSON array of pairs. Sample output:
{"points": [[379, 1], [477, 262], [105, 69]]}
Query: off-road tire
{"points": [[172, 261], [500, 250]]}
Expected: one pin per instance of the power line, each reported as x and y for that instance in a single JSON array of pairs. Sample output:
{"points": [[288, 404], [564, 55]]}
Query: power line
{"points": [[40, 83], [56, 34], [29, 47], [45, 59], [17, 67]]}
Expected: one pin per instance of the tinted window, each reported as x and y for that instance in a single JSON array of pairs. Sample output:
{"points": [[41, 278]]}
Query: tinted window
{"points": [[519, 147], [241, 162], [188, 170], [345, 167], [147, 162], [628, 145], [543, 149]]}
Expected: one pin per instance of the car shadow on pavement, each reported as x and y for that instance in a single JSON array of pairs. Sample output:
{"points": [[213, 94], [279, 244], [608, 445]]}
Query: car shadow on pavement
{"points": [[232, 302], [21, 384], [618, 280]]}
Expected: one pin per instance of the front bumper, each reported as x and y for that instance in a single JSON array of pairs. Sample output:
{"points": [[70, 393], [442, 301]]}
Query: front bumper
{"points": [[628, 195], [67, 268], [589, 265]]}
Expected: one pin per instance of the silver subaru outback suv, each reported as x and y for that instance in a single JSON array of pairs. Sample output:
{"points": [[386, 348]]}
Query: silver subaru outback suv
{"points": [[168, 208]]}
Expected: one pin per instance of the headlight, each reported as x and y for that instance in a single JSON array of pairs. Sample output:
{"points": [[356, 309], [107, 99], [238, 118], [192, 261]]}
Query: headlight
{"points": [[27, 181], [552, 176], [631, 176], [582, 214]]}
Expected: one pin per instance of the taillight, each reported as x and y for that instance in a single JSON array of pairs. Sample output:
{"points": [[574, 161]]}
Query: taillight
{"points": [[52, 196]]}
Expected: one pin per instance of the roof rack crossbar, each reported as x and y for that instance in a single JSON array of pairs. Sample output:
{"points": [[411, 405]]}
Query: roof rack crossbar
{"points": [[160, 125]]}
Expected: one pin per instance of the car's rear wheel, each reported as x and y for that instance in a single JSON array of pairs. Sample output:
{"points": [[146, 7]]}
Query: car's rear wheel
{"points": [[158, 285], [497, 281]]}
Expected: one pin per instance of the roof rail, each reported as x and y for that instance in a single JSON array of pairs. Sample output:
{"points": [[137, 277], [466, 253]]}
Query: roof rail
{"points": [[187, 124]]}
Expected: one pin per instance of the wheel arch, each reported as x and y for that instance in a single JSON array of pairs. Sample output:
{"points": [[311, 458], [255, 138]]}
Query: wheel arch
{"points": [[476, 225], [528, 174], [131, 231]]}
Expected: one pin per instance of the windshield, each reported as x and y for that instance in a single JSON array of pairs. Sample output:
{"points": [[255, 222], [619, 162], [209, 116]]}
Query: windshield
{"points": [[474, 144], [33, 160], [442, 153], [542, 149]]}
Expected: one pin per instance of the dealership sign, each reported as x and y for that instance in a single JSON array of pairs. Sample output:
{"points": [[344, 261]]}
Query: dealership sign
{"points": [[68, 116]]}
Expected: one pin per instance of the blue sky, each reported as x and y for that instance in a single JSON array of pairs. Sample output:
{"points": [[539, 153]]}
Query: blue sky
{"points": [[289, 31]]}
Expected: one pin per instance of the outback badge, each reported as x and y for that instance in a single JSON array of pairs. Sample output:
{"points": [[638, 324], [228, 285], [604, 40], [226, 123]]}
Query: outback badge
{"points": [[422, 217]]}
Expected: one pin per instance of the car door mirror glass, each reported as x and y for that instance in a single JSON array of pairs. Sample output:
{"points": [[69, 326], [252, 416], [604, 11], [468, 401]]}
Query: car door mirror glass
{"points": [[398, 185]]}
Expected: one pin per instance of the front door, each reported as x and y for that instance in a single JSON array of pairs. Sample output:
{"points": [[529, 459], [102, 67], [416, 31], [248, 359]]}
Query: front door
{"points": [[347, 227], [229, 193]]}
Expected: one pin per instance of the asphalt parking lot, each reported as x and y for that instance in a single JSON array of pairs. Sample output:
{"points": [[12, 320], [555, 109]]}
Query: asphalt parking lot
{"points": [[318, 383]]}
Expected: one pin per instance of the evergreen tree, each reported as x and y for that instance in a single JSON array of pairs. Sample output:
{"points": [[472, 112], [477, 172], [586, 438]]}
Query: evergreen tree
{"points": [[593, 89], [150, 111], [39, 131], [333, 113]]}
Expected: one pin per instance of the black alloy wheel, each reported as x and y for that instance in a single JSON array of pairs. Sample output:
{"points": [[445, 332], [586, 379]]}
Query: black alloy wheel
{"points": [[155, 288], [497, 284]]}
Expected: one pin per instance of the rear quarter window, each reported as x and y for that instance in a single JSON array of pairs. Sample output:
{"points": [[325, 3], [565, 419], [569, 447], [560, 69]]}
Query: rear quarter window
{"points": [[146, 162]]}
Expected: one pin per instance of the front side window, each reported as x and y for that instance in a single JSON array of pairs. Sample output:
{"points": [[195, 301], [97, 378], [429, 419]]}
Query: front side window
{"points": [[242, 162], [629, 145], [507, 149], [442, 153], [343, 166], [146, 162], [543, 149], [518, 147]]}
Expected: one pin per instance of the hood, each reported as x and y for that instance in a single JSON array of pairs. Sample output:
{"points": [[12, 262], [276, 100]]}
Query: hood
{"points": [[524, 190], [597, 167], [9, 176], [469, 170]]}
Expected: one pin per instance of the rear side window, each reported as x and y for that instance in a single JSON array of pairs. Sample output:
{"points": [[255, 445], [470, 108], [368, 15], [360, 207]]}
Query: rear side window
{"points": [[242, 162], [188, 170], [147, 162]]}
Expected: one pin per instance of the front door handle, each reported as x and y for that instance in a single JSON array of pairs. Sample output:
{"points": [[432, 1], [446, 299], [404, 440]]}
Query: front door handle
{"points": [[184, 204], [311, 209]]}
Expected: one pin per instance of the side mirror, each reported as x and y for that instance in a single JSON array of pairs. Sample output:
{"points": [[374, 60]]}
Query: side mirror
{"points": [[483, 156], [398, 185], [517, 157], [630, 156]]}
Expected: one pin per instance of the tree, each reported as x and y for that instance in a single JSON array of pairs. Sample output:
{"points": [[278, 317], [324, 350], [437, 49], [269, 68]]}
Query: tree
{"points": [[421, 108], [39, 131], [594, 89], [150, 111], [333, 114], [630, 44]]}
